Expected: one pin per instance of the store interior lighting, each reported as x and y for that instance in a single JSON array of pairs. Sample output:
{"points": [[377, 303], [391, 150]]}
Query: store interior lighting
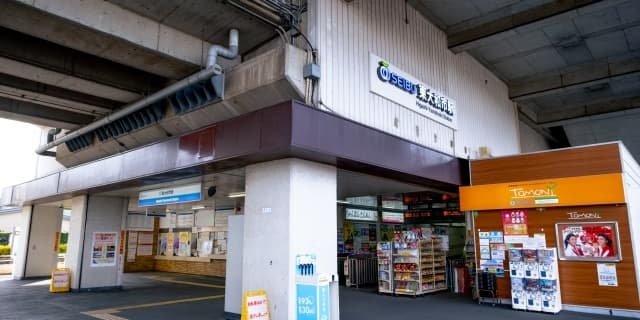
{"points": [[197, 207], [236, 195], [343, 201]]}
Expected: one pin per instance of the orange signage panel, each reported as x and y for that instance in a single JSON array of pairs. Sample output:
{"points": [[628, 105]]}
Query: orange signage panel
{"points": [[586, 190]]}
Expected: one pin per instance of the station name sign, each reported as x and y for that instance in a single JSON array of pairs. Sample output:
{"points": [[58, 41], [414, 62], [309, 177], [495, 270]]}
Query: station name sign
{"points": [[396, 85], [179, 194], [361, 214]]}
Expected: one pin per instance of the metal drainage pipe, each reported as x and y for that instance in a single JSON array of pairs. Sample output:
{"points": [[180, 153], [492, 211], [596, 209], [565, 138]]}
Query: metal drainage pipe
{"points": [[211, 70]]}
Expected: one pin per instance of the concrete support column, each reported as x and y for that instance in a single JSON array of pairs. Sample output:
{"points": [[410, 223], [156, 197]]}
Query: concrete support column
{"points": [[290, 209], [91, 215], [75, 242], [42, 256], [20, 243]]}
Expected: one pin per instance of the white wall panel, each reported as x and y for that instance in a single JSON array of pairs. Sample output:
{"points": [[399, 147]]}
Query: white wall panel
{"points": [[345, 34], [530, 140], [631, 178]]}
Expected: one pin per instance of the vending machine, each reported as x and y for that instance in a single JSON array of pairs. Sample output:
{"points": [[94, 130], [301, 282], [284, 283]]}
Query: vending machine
{"points": [[518, 294], [516, 265], [549, 281], [531, 268], [535, 284]]}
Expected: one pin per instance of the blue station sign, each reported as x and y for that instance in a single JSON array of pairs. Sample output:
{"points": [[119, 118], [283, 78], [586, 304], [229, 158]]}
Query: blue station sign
{"points": [[173, 195]]}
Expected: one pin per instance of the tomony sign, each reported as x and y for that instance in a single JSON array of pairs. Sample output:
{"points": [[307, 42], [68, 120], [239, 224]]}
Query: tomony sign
{"points": [[397, 86]]}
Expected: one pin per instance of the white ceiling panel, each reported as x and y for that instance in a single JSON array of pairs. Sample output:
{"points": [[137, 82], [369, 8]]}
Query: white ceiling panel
{"points": [[575, 54], [486, 6], [545, 60], [562, 33], [633, 37], [597, 21], [495, 51], [514, 68], [607, 45], [452, 12], [629, 11], [529, 41]]}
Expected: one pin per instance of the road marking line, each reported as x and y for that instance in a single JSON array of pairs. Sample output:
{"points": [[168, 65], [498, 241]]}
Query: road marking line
{"points": [[107, 314], [172, 280]]}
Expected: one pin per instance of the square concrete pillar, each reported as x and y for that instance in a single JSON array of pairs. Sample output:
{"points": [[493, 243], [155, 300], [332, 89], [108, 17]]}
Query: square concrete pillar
{"points": [[92, 216], [290, 210]]}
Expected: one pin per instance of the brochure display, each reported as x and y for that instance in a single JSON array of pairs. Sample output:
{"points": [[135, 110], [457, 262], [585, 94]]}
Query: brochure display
{"points": [[419, 266], [535, 284], [385, 270]]}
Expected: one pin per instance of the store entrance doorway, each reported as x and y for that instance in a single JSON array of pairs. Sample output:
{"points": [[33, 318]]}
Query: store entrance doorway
{"points": [[400, 238]]}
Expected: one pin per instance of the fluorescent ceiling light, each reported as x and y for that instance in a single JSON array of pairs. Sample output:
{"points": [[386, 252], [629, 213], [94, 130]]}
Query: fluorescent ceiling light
{"points": [[236, 194], [197, 207], [343, 201]]}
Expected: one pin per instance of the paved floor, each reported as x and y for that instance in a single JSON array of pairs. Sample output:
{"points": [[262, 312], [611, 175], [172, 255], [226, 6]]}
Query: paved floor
{"points": [[160, 296]]}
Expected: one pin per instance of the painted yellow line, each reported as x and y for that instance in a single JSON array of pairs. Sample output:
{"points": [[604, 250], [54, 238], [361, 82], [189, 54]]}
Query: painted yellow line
{"points": [[107, 314], [172, 280]]}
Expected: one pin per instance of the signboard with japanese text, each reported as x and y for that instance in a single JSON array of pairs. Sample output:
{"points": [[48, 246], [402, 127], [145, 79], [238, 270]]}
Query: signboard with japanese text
{"points": [[103, 249], [577, 191], [255, 306], [398, 86], [514, 222]]}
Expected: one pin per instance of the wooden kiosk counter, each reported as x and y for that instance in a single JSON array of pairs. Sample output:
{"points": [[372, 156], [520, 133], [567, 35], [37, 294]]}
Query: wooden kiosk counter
{"points": [[586, 203]]}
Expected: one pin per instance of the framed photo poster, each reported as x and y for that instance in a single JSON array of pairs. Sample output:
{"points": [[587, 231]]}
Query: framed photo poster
{"points": [[588, 241]]}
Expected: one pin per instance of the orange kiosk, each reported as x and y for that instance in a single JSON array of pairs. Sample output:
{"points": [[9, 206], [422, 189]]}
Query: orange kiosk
{"points": [[584, 201]]}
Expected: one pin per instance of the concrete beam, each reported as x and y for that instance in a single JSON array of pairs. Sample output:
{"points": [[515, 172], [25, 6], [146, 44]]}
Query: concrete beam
{"points": [[489, 31], [48, 55], [585, 76], [41, 115], [39, 74], [66, 99], [556, 118], [103, 29]]}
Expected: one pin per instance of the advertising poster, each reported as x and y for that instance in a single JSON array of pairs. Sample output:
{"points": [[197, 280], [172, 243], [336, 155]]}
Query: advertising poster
{"points": [[607, 275], [103, 252], [497, 251], [162, 244], [514, 222], [184, 247], [496, 237], [145, 237], [255, 305], [588, 241], [145, 249], [485, 252], [493, 266], [172, 242]]}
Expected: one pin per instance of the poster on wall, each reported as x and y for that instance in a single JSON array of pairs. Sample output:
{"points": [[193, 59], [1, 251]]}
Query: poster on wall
{"points": [[103, 249], [184, 246], [162, 244], [588, 241], [145, 237], [607, 275], [514, 222]]}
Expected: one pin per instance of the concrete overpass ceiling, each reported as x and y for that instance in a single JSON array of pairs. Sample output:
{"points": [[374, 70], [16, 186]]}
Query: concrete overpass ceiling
{"points": [[563, 61], [67, 64], [207, 20]]}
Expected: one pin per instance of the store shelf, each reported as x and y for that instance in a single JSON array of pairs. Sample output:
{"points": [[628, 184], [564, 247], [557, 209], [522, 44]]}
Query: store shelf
{"points": [[430, 264]]}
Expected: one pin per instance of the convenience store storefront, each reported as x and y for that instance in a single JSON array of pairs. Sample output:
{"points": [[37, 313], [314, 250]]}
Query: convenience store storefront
{"points": [[582, 201]]}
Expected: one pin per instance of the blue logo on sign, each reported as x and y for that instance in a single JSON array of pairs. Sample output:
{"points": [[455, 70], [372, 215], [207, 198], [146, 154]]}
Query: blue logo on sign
{"points": [[386, 75], [426, 97]]}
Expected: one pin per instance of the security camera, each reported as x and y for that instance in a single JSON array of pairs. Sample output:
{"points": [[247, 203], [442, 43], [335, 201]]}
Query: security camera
{"points": [[212, 191]]}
